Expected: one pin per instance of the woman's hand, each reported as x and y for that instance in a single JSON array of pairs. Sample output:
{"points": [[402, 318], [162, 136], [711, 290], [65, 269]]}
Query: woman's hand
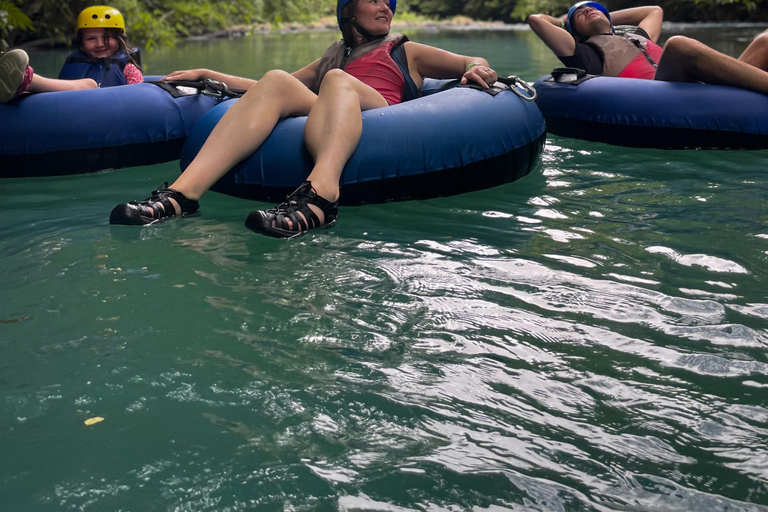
{"points": [[189, 75], [480, 74]]}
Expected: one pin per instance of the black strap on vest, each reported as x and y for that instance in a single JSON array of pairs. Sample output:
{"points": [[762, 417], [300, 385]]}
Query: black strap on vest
{"points": [[647, 56], [353, 21], [345, 60], [398, 54]]}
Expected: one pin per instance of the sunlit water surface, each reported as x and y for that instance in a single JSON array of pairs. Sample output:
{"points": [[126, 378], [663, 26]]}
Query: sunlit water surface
{"points": [[592, 337]]}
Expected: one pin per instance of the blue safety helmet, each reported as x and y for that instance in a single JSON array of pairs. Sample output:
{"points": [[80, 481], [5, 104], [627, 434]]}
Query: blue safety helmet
{"points": [[596, 5], [341, 3]]}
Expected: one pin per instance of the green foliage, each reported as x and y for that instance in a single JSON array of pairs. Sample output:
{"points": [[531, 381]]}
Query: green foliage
{"points": [[12, 19], [505, 10], [154, 23], [51, 19], [147, 25], [705, 10], [519, 10], [524, 8], [717, 10], [437, 8]]}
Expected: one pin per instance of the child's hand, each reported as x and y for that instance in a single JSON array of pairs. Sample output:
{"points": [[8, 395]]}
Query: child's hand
{"points": [[191, 75]]}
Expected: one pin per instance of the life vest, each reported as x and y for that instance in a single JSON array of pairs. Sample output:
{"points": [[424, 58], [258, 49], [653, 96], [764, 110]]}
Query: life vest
{"points": [[106, 72], [337, 56], [628, 55]]}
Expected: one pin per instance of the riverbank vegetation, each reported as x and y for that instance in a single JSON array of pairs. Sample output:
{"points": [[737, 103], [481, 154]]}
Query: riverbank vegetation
{"points": [[163, 22]]}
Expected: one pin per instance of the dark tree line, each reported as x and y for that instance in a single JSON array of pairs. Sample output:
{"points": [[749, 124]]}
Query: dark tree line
{"points": [[518, 10]]}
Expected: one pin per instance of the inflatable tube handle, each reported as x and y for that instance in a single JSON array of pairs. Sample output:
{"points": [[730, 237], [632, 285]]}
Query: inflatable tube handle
{"points": [[514, 84], [216, 89], [573, 76], [207, 87]]}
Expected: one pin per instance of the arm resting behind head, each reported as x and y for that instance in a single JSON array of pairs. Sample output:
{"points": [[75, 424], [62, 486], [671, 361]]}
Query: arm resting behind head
{"points": [[648, 18], [556, 38]]}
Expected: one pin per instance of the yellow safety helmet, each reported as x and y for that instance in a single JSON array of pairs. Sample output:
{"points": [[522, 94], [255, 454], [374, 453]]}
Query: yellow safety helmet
{"points": [[100, 16]]}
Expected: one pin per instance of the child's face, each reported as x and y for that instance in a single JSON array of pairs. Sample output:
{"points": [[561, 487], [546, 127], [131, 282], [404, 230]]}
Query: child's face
{"points": [[98, 44]]}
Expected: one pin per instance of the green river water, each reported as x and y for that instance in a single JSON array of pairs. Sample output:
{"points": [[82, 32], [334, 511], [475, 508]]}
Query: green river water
{"points": [[592, 337]]}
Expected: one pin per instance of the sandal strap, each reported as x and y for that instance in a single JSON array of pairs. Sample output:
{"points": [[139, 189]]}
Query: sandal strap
{"points": [[155, 208], [167, 207], [294, 216], [300, 223], [298, 202], [161, 206]]}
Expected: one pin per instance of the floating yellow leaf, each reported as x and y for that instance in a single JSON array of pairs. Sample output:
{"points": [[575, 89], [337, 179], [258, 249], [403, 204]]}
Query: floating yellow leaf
{"points": [[14, 320], [94, 420]]}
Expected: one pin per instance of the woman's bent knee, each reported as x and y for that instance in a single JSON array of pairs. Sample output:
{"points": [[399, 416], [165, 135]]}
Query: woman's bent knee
{"points": [[762, 40], [277, 75], [274, 82], [680, 45], [277, 79], [682, 54], [336, 79], [281, 91]]}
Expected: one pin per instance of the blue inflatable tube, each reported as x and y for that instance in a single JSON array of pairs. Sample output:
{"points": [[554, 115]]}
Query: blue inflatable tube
{"points": [[450, 142], [74, 132], [654, 114]]}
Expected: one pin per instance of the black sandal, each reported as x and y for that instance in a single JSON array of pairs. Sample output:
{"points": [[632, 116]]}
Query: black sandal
{"points": [[295, 209], [156, 208]]}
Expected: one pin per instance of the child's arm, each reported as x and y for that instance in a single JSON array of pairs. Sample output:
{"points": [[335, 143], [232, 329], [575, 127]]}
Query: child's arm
{"points": [[132, 74]]}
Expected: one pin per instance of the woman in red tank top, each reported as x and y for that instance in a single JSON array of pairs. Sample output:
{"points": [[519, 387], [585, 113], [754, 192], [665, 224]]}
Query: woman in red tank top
{"points": [[333, 102]]}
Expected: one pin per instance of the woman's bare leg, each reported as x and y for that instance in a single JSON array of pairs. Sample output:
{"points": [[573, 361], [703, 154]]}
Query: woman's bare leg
{"points": [[334, 127], [43, 84], [239, 133], [756, 53], [243, 129], [687, 60]]}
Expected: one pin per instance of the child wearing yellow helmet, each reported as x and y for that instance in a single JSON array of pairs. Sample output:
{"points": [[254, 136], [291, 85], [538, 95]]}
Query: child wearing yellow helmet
{"points": [[104, 58]]}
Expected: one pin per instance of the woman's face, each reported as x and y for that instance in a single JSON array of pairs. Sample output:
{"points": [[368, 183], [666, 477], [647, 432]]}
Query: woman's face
{"points": [[375, 16], [98, 43], [589, 21]]}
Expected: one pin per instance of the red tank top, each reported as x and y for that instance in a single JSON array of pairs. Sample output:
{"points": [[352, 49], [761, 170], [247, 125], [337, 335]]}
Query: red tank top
{"points": [[379, 70], [639, 67]]}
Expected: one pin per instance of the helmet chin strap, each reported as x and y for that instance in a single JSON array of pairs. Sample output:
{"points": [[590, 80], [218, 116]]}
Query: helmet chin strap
{"points": [[363, 32]]}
